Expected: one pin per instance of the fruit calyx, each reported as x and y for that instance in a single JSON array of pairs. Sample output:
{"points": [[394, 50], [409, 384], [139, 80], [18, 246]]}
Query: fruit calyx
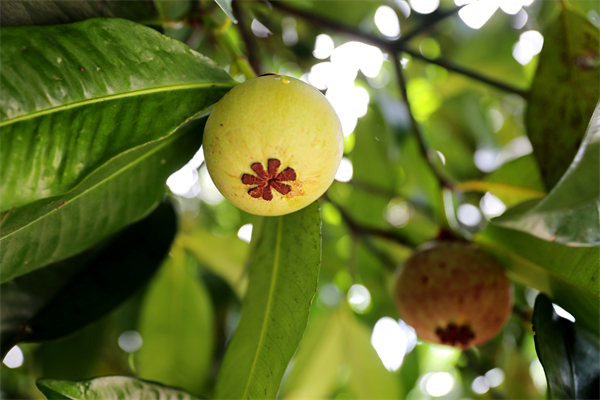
{"points": [[265, 180], [453, 334]]}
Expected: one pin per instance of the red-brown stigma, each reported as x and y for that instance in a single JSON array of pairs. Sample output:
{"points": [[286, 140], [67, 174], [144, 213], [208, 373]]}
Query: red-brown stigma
{"points": [[453, 334], [265, 180]]}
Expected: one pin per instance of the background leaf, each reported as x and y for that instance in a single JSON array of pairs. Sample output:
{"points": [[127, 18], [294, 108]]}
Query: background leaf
{"points": [[110, 387], [132, 256], [74, 96], [564, 93], [569, 274], [570, 213], [568, 353], [284, 273], [121, 192], [226, 7], [177, 327], [49, 12]]}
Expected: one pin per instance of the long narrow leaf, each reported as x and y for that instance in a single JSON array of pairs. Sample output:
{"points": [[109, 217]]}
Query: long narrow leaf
{"points": [[74, 96], [121, 192], [284, 273]]}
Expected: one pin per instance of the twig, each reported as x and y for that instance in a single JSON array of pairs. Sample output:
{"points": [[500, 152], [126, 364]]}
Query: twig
{"points": [[361, 230], [252, 49], [425, 152], [434, 19], [399, 45], [451, 66]]}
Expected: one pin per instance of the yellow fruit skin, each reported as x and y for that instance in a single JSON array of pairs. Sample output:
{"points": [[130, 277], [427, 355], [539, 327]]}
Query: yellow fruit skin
{"points": [[273, 117], [453, 282]]}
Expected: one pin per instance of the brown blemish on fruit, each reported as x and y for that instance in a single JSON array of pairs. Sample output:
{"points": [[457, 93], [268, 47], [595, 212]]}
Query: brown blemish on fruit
{"points": [[453, 334], [265, 180]]}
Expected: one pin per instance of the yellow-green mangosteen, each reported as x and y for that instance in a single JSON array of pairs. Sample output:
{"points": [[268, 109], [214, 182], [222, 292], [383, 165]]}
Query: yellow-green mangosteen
{"points": [[273, 145], [454, 294]]}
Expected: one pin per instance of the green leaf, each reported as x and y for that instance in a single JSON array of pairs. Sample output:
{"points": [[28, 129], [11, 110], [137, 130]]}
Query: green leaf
{"points": [[513, 183], [339, 342], [284, 272], [570, 275], [75, 96], [110, 387], [570, 213], [49, 12], [177, 327], [121, 192], [564, 92], [568, 354], [32, 312], [224, 255], [226, 7]]}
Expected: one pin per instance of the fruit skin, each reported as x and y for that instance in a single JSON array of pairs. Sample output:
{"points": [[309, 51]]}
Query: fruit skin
{"points": [[273, 117], [447, 283]]}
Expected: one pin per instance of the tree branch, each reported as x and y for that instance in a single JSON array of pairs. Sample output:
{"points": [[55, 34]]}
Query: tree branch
{"points": [[430, 22], [252, 50], [425, 151]]}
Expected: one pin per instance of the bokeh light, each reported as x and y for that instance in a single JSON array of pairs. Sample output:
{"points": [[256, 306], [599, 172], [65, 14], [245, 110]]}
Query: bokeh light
{"points": [[468, 214], [259, 29], [480, 385], [130, 341], [359, 298], [323, 47], [439, 384], [185, 181], [387, 22], [424, 6], [345, 171], [390, 342], [495, 377], [245, 233], [491, 206], [14, 358], [563, 313], [538, 376], [530, 43]]}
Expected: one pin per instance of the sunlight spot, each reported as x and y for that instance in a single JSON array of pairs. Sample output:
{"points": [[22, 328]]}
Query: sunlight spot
{"points": [[530, 43], [563, 313], [411, 335], [468, 214], [424, 6], [359, 298], [130, 341], [345, 171], [245, 233], [491, 206], [323, 46], [441, 156], [519, 20], [259, 29], [485, 159], [14, 358], [208, 191], [404, 7], [480, 385], [185, 181], [476, 14], [330, 295], [511, 7], [398, 212], [389, 341], [537, 374], [495, 377], [387, 22], [439, 384]]}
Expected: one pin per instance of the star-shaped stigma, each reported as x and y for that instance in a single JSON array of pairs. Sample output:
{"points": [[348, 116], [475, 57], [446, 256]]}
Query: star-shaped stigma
{"points": [[265, 180], [453, 333]]}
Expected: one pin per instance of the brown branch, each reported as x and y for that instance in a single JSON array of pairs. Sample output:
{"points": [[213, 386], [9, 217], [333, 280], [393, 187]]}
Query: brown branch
{"points": [[425, 151], [433, 19], [362, 230], [451, 66], [252, 50]]}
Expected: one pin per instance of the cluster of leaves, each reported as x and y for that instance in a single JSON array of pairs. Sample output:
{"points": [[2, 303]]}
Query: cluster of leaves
{"points": [[101, 102]]}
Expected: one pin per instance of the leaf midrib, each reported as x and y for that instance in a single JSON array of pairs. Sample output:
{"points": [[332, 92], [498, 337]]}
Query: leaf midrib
{"points": [[269, 301], [166, 141], [114, 97]]}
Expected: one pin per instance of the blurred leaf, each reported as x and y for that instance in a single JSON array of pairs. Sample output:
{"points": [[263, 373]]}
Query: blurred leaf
{"points": [[49, 12], [569, 274], [514, 182], [110, 387], [85, 287], [226, 7], [284, 273], [74, 96], [564, 93], [333, 342], [121, 192], [568, 354], [224, 255], [570, 213], [173, 10], [177, 327]]}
